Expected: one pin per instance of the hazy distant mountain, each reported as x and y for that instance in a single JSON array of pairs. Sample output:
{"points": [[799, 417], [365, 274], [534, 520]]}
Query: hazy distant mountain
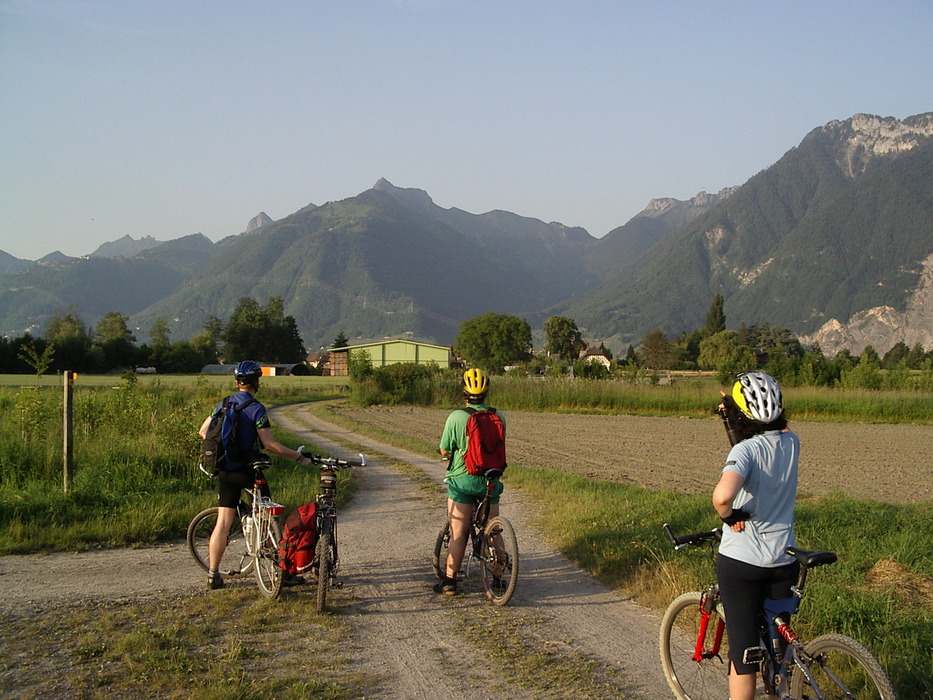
{"points": [[9, 264], [842, 224], [623, 245], [834, 242], [386, 262], [125, 247]]}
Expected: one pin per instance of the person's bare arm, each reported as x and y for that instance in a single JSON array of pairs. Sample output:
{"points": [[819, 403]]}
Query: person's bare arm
{"points": [[723, 495], [270, 444]]}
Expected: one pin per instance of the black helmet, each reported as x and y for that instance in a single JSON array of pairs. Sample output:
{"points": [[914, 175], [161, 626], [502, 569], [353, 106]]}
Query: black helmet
{"points": [[247, 372]]}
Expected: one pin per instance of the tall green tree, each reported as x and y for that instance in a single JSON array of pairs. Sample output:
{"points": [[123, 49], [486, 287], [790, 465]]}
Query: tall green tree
{"points": [[340, 341], [262, 333], [716, 316], [562, 337], [494, 341], [655, 351], [726, 355], [114, 343], [72, 341]]}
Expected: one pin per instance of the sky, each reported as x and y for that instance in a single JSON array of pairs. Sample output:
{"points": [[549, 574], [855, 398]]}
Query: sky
{"points": [[168, 118]]}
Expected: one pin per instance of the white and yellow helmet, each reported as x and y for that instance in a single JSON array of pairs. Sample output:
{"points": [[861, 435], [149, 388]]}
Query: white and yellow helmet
{"points": [[758, 396]]}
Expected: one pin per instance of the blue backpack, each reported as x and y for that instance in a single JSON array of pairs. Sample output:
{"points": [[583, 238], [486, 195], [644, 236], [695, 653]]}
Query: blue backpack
{"points": [[220, 449]]}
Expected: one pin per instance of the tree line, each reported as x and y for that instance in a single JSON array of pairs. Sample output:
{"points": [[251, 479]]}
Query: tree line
{"points": [[496, 342], [253, 330]]}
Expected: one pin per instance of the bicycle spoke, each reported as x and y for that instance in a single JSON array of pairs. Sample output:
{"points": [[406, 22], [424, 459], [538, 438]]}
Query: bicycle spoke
{"points": [[841, 668]]}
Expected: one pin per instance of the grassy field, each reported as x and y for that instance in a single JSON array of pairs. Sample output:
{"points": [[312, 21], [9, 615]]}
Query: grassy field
{"points": [[136, 482]]}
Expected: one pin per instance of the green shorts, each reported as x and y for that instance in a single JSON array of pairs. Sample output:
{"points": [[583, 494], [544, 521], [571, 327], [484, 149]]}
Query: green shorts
{"points": [[471, 488]]}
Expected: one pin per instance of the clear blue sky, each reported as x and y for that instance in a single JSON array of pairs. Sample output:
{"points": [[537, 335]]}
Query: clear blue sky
{"points": [[167, 118]]}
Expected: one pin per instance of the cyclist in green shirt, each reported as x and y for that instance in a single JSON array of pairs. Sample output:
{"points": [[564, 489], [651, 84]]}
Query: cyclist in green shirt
{"points": [[463, 489]]}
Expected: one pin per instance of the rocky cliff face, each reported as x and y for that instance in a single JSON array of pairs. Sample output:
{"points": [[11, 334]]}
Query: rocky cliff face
{"points": [[882, 326], [865, 136], [258, 221], [862, 139]]}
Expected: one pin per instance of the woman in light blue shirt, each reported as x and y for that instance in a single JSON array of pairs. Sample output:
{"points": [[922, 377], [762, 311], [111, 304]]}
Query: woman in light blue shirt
{"points": [[755, 498]]}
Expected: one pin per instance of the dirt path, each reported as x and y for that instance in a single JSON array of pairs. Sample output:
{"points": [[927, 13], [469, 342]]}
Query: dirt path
{"points": [[409, 634]]}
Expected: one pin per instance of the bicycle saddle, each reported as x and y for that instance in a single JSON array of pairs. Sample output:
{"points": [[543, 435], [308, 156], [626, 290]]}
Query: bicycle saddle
{"points": [[810, 559]]}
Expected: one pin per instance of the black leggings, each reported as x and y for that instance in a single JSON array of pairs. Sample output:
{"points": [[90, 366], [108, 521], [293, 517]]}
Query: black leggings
{"points": [[744, 588]]}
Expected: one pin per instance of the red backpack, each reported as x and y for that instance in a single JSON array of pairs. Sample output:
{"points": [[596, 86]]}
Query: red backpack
{"points": [[485, 441], [296, 549]]}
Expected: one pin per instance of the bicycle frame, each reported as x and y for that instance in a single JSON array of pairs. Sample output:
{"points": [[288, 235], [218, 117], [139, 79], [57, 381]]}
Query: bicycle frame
{"points": [[788, 667]]}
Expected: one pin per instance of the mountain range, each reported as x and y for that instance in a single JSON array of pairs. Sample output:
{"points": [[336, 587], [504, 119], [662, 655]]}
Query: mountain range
{"points": [[834, 241]]}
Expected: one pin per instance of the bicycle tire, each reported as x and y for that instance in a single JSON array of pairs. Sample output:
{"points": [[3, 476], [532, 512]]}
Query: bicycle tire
{"points": [[324, 554], [691, 680], [847, 660], [236, 558], [439, 562], [268, 570], [499, 561]]}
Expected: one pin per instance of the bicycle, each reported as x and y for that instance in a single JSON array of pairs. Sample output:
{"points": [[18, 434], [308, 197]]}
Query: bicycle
{"points": [[253, 542], [492, 544], [326, 561], [694, 649]]}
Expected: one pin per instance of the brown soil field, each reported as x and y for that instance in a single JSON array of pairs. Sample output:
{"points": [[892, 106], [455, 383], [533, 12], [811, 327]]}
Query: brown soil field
{"points": [[888, 463]]}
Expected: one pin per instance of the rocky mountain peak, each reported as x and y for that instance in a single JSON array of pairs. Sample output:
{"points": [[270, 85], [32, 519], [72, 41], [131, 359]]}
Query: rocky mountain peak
{"points": [[257, 222], [702, 201], [865, 137]]}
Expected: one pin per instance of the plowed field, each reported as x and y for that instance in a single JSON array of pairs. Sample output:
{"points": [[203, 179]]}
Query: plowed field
{"points": [[889, 463]]}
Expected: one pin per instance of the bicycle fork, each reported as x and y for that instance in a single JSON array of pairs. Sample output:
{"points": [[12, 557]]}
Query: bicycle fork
{"points": [[707, 606]]}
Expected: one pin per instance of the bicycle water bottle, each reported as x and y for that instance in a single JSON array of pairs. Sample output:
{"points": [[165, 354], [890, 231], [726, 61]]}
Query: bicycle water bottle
{"points": [[247, 525]]}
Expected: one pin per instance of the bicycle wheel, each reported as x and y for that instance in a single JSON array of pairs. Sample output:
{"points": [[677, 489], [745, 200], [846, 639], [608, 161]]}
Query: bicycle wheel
{"points": [[236, 559], [680, 629], [499, 557], [268, 570], [439, 561], [324, 553], [841, 664]]}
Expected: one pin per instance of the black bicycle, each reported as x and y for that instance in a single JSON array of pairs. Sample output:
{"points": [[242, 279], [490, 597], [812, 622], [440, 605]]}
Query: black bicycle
{"points": [[253, 542], [492, 545], [326, 560], [694, 648]]}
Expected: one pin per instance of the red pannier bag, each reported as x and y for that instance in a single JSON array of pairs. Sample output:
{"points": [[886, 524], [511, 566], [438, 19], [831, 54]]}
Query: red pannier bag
{"points": [[296, 550]]}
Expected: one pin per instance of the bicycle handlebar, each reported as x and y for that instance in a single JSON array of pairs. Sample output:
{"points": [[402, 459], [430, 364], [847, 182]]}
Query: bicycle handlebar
{"points": [[333, 462], [695, 539]]}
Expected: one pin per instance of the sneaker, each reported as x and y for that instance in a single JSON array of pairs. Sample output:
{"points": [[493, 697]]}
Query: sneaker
{"points": [[215, 582], [292, 580], [447, 586]]}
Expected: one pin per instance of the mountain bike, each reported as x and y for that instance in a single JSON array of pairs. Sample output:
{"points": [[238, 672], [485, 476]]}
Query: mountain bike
{"points": [[492, 545], [253, 542], [326, 561], [694, 648]]}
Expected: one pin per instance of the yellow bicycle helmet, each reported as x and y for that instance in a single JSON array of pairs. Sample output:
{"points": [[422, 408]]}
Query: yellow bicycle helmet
{"points": [[475, 382], [758, 396]]}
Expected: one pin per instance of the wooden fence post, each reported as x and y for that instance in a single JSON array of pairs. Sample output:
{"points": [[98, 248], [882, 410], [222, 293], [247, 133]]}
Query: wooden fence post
{"points": [[67, 430]]}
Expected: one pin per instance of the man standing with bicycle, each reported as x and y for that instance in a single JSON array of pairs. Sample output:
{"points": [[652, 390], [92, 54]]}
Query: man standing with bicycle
{"points": [[755, 499], [463, 489], [254, 432]]}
